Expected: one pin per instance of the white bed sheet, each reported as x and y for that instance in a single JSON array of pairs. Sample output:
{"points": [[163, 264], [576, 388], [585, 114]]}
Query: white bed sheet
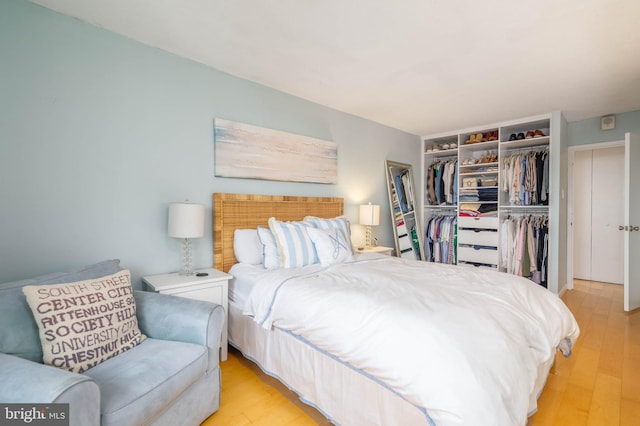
{"points": [[343, 394], [244, 278], [508, 324]]}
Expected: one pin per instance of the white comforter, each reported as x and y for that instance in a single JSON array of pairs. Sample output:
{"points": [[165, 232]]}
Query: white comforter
{"points": [[463, 344]]}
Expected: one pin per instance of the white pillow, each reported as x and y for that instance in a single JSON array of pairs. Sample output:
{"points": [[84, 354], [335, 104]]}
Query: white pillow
{"points": [[340, 222], [270, 257], [247, 246], [331, 246], [295, 247]]}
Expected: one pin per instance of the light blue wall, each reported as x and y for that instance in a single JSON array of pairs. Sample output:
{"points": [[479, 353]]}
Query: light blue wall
{"points": [[588, 131], [99, 133]]}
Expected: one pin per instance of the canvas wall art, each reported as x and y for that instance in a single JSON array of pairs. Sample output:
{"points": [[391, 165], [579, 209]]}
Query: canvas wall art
{"points": [[252, 152]]}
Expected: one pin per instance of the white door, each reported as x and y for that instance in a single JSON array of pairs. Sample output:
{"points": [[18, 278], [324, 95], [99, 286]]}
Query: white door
{"points": [[598, 210], [607, 213], [631, 222]]}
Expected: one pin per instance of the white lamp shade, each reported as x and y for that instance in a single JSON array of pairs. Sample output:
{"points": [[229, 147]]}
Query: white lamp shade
{"points": [[369, 214], [186, 220]]}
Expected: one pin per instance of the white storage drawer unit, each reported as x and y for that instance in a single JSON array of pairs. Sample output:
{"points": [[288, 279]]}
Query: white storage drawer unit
{"points": [[478, 265], [485, 237], [477, 222], [487, 256]]}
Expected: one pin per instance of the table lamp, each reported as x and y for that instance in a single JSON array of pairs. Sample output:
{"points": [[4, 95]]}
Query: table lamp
{"points": [[186, 221], [369, 216]]}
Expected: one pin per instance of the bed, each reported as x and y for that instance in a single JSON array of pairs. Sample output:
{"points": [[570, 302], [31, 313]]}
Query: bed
{"points": [[379, 340]]}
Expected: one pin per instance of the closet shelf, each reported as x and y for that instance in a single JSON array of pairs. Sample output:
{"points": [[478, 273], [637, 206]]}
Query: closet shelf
{"points": [[477, 202], [441, 206], [443, 154], [525, 143], [488, 172], [520, 207], [480, 146], [476, 165]]}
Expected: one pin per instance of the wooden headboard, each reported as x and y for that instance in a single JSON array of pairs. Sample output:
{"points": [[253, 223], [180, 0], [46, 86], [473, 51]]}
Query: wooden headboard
{"points": [[247, 211]]}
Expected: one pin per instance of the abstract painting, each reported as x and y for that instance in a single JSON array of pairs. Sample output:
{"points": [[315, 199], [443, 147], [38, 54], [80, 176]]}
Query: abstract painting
{"points": [[251, 152]]}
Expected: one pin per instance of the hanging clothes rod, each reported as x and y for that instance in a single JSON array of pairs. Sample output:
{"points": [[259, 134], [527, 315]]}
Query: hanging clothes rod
{"points": [[535, 207], [445, 213], [441, 206], [445, 158], [513, 151]]}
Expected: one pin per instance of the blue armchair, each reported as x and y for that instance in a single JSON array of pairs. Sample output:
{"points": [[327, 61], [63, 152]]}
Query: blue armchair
{"points": [[172, 377]]}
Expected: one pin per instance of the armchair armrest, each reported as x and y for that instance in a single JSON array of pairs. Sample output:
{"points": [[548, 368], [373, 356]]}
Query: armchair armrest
{"points": [[26, 381], [167, 317]]}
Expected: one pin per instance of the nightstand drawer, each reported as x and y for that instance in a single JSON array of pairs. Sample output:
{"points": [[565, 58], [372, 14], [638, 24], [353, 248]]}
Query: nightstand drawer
{"points": [[482, 237], [207, 292], [478, 255]]}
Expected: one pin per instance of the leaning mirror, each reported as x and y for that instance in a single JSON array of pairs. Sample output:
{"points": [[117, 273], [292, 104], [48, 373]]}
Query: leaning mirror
{"points": [[402, 202]]}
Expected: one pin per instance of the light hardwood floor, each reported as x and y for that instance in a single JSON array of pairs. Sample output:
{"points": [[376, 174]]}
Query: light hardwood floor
{"points": [[250, 397], [599, 384]]}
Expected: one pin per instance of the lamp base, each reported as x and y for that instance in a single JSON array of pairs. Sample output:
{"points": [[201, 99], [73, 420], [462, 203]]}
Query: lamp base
{"points": [[368, 237], [186, 257]]}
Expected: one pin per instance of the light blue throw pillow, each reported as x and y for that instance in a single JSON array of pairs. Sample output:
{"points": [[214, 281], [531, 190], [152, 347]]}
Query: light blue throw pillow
{"points": [[331, 246], [341, 223], [295, 247]]}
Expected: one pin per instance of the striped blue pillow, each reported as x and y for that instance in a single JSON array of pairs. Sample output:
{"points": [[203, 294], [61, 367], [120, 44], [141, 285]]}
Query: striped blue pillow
{"points": [[341, 223], [295, 247]]}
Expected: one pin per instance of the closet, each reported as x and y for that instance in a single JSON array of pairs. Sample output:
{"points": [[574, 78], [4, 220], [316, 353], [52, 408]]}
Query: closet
{"points": [[503, 206]]}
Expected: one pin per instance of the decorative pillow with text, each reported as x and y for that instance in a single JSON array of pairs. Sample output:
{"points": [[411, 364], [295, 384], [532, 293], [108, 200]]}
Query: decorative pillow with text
{"points": [[84, 323]]}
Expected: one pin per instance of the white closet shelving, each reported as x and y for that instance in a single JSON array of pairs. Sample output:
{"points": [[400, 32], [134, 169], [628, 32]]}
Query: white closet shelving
{"points": [[485, 196], [479, 174], [441, 200]]}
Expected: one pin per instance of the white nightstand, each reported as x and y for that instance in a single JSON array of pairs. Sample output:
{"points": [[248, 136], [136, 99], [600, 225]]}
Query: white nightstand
{"points": [[388, 251], [211, 288]]}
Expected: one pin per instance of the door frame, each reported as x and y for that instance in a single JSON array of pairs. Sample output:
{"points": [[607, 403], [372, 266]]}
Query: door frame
{"points": [[571, 154]]}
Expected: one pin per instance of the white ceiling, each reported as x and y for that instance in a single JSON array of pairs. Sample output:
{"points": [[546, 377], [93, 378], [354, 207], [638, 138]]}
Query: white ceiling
{"points": [[423, 66]]}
